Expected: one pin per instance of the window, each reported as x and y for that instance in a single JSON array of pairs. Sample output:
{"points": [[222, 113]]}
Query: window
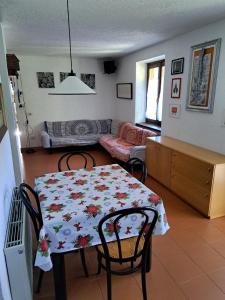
{"points": [[155, 84]]}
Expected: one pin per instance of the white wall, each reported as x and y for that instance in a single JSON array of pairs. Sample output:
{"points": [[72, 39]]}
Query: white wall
{"points": [[7, 183], [201, 129], [58, 108]]}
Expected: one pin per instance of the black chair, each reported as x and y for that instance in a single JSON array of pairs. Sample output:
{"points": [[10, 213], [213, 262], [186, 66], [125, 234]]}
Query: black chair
{"points": [[35, 213], [134, 250], [67, 156], [136, 166]]}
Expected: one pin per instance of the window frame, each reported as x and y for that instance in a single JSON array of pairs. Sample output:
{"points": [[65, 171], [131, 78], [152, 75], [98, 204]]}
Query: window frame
{"points": [[160, 64]]}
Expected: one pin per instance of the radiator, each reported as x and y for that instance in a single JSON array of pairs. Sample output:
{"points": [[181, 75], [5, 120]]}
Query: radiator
{"points": [[18, 251]]}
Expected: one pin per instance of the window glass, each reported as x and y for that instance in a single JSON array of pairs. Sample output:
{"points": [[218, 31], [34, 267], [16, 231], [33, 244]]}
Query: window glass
{"points": [[155, 85]]}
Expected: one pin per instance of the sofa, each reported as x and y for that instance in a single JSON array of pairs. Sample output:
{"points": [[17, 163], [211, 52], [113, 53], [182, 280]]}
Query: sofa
{"points": [[123, 140], [129, 142], [74, 133]]}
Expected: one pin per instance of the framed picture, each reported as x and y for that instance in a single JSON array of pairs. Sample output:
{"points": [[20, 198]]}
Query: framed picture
{"points": [[203, 75], [63, 76], [175, 110], [176, 88], [45, 80], [88, 79], [3, 128], [177, 66], [124, 91]]}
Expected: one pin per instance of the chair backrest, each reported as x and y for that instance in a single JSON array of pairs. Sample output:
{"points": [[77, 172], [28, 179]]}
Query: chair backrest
{"points": [[67, 156], [136, 166], [146, 226], [25, 190]]}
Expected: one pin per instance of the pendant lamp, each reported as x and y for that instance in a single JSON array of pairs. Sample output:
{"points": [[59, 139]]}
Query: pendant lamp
{"points": [[72, 85]]}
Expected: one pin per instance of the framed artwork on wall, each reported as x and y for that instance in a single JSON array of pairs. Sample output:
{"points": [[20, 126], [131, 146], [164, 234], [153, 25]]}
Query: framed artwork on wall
{"points": [[177, 66], [3, 128], [124, 91], [63, 76], [203, 75], [176, 88], [45, 80], [175, 110], [88, 79]]}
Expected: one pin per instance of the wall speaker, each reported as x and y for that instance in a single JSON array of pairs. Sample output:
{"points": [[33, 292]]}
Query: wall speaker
{"points": [[109, 66]]}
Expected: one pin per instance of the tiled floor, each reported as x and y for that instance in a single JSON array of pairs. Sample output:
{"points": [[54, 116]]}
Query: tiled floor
{"points": [[188, 262]]}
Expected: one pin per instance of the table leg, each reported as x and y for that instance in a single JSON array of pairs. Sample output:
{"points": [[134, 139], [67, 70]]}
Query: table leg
{"points": [[59, 276], [149, 256]]}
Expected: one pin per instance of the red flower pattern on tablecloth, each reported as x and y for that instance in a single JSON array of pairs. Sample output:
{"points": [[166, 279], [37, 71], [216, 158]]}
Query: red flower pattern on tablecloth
{"points": [[93, 210], [101, 187], [55, 207], [116, 167], [80, 181], [119, 195], [134, 185], [51, 181], [76, 196], [153, 198], [68, 173], [83, 241], [43, 246], [103, 174], [109, 229]]}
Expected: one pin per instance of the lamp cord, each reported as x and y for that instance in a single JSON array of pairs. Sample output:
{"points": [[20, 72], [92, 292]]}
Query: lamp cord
{"points": [[68, 20]]}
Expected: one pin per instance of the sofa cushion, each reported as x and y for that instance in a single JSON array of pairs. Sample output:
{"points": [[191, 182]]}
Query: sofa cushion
{"points": [[147, 133], [88, 139], [116, 146], [131, 134], [78, 127]]}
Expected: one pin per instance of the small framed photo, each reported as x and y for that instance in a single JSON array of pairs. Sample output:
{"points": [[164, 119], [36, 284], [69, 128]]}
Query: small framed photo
{"points": [[175, 110], [45, 80], [177, 66], [124, 91], [176, 88]]}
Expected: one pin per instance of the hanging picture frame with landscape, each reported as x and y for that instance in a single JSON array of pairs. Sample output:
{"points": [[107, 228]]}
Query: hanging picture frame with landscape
{"points": [[203, 76]]}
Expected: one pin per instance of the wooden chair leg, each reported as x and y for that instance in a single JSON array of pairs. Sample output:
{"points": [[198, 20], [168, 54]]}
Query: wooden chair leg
{"points": [[109, 283], [83, 260], [40, 277], [143, 278], [99, 258]]}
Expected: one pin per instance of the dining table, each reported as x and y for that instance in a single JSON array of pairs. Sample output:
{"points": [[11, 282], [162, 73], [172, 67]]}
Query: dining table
{"points": [[72, 204]]}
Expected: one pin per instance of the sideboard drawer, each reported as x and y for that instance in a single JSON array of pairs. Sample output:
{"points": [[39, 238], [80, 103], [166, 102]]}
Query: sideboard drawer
{"points": [[199, 171]]}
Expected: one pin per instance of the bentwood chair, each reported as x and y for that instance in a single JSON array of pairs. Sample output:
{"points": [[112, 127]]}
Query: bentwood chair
{"points": [[25, 192], [66, 159], [136, 167], [134, 250]]}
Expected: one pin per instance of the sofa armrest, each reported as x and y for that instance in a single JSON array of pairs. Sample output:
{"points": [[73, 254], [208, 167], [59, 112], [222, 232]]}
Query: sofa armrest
{"points": [[138, 151], [45, 139]]}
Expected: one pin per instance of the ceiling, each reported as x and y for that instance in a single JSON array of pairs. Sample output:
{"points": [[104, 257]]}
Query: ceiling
{"points": [[101, 28]]}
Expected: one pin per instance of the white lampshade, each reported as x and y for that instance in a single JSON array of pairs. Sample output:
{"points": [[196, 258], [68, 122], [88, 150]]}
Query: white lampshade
{"points": [[72, 86]]}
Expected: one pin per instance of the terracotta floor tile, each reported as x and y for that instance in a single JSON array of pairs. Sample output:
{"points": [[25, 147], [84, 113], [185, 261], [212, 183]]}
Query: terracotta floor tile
{"points": [[219, 278], [123, 287], [202, 288], [206, 258], [180, 267], [160, 285], [219, 247]]}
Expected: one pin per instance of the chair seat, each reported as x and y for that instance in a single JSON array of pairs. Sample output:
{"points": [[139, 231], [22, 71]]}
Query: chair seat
{"points": [[127, 247]]}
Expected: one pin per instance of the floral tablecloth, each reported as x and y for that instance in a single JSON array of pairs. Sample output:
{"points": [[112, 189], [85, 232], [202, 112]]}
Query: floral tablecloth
{"points": [[73, 202]]}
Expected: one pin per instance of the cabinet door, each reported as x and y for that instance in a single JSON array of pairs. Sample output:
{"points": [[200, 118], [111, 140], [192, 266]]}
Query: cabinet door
{"points": [[158, 160]]}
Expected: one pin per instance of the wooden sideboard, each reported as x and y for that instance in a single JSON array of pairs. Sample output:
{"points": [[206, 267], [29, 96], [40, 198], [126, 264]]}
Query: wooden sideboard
{"points": [[195, 174]]}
